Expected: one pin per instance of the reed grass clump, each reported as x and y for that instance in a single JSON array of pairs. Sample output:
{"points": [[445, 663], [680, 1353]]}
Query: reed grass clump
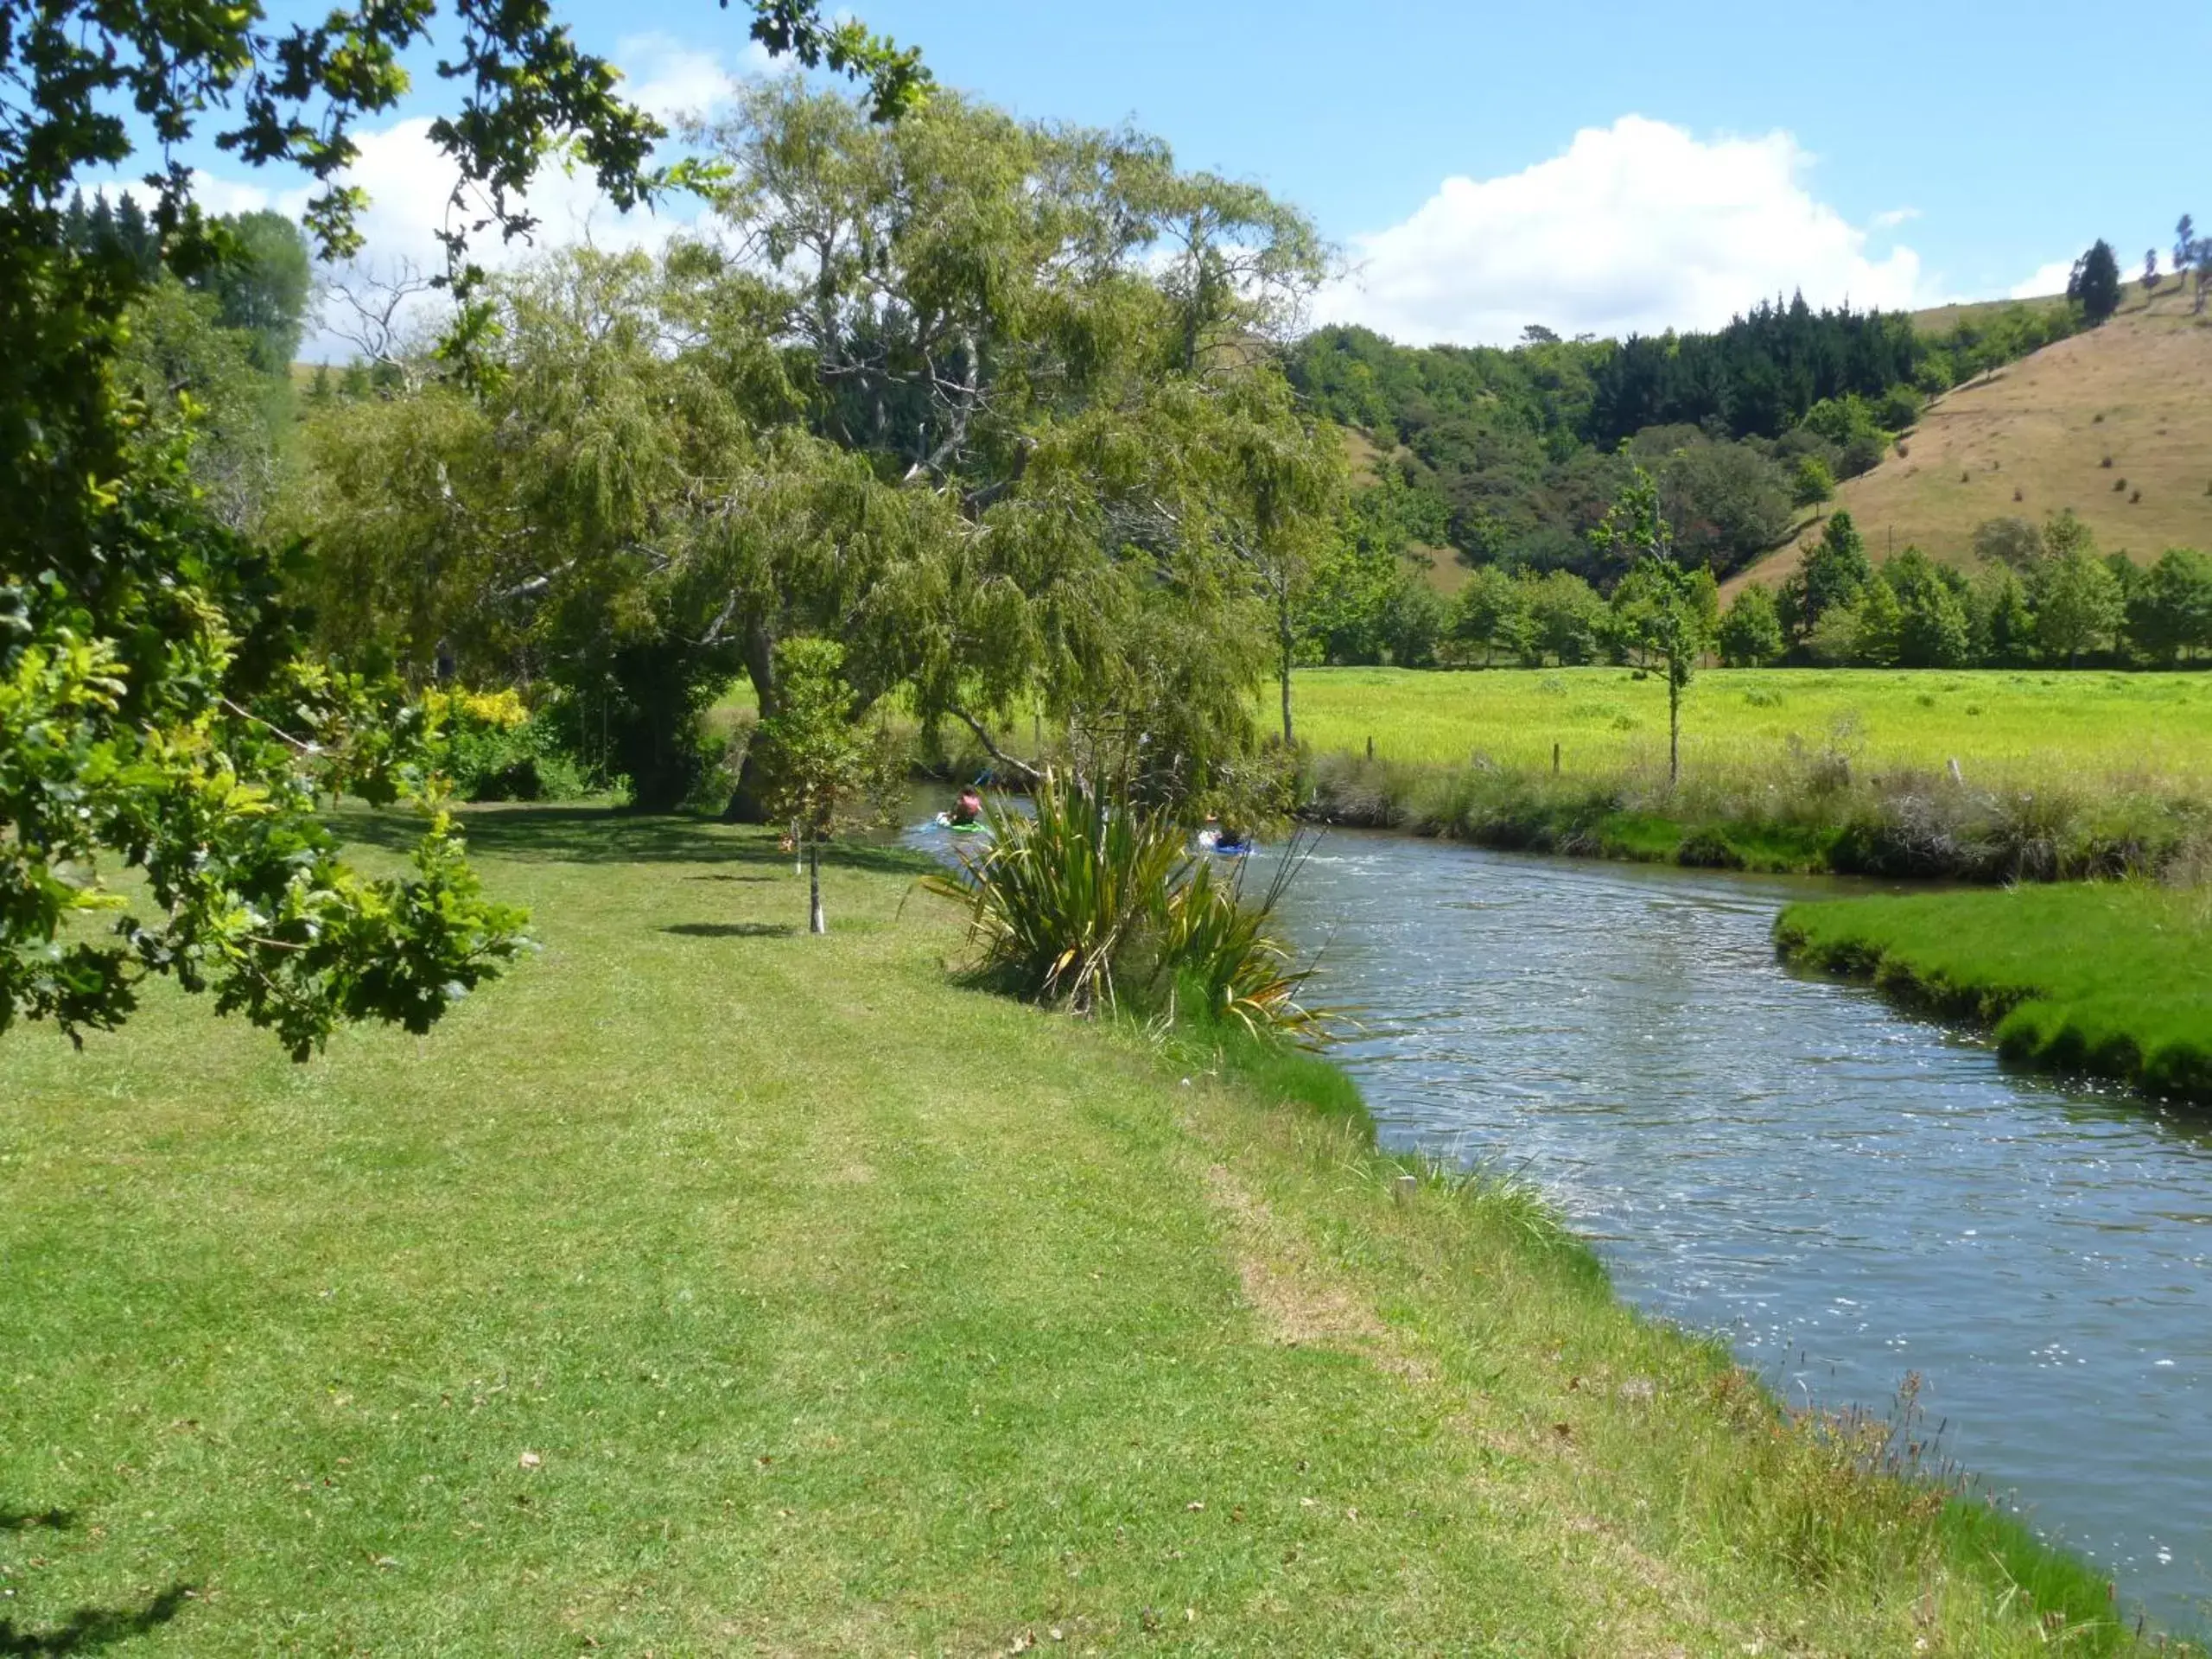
{"points": [[1088, 903]]}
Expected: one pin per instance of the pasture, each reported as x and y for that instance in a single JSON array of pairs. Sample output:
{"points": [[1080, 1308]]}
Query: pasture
{"points": [[2004, 727]]}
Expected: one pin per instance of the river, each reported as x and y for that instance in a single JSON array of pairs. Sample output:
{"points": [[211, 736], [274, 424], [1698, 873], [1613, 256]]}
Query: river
{"points": [[1844, 1193]]}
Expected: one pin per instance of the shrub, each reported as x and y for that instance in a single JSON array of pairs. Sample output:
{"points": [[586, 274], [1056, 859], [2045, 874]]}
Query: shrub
{"points": [[491, 747], [1087, 904]]}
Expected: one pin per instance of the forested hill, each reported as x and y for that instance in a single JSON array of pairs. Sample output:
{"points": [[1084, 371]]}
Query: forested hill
{"points": [[1511, 455]]}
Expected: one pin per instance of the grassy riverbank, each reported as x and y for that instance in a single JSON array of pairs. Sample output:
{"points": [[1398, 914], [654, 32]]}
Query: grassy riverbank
{"points": [[2113, 979], [705, 1287]]}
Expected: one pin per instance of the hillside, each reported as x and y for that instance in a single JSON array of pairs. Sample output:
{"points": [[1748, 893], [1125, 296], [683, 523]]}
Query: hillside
{"points": [[2033, 437]]}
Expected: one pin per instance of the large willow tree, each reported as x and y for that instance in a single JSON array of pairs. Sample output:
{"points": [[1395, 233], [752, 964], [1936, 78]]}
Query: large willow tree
{"points": [[994, 405]]}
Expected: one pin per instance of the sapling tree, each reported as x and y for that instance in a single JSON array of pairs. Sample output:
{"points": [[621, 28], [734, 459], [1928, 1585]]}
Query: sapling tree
{"points": [[817, 767], [1672, 610]]}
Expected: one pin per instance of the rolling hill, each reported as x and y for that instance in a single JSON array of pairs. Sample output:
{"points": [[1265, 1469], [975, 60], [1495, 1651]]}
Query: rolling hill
{"points": [[2115, 423]]}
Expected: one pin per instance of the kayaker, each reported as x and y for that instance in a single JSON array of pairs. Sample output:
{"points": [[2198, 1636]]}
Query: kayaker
{"points": [[969, 808]]}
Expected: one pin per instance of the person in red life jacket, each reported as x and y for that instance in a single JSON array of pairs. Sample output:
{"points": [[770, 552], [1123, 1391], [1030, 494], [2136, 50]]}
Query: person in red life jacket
{"points": [[968, 809]]}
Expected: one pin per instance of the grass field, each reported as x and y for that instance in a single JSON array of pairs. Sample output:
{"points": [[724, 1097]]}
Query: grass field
{"points": [[708, 1289], [2000, 725], [2110, 978], [2035, 436]]}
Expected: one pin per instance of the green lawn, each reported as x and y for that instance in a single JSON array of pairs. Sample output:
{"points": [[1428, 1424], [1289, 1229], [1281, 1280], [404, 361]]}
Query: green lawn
{"points": [[2002, 725], [705, 1287], [2113, 978]]}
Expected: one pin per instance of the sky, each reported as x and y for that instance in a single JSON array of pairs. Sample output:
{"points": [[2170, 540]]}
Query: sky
{"points": [[1597, 168]]}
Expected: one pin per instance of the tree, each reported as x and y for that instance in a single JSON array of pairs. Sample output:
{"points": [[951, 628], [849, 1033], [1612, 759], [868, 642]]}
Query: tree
{"points": [[1565, 619], [2170, 612], [2003, 619], [1833, 572], [1750, 630], [815, 762], [1489, 612], [2095, 284], [1672, 608], [2149, 272], [1877, 641], [1725, 503], [157, 707], [1812, 483], [2077, 602], [261, 288], [1933, 630]]}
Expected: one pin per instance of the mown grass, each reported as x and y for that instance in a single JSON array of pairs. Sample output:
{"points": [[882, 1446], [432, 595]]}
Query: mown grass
{"points": [[2109, 978], [707, 1288], [2003, 727]]}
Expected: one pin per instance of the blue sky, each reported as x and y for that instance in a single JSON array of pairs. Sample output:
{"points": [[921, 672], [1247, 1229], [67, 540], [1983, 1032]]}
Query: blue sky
{"points": [[1592, 166]]}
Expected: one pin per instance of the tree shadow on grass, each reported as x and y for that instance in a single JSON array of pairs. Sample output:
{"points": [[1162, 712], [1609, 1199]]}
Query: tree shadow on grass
{"points": [[90, 1629], [732, 929], [599, 835], [56, 1519]]}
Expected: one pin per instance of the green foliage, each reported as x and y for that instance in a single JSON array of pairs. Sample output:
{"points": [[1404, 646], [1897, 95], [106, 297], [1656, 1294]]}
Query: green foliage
{"points": [[262, 287], [2170, 612], [2095, 284], [2011, 542], [1750, 634], [1567, 622], [812, 755], [1725, 503], [2078, 604], [1933, 630], [1812, 483], [1489, 615], [1010, 460], [1833, 572]]}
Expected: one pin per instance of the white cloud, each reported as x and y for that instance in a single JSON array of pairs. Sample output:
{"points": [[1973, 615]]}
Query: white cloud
{"points": [[1636, 227], [2049, 279], [1895, 217]]}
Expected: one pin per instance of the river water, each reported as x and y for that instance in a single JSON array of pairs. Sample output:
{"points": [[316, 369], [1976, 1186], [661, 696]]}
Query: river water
{"points": [[1845, 1194]]}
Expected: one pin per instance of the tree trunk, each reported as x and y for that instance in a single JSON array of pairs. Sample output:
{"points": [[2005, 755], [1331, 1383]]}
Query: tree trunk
{"points": [[1288, 741], [1673, 731], [745, 805], [815, 921]]}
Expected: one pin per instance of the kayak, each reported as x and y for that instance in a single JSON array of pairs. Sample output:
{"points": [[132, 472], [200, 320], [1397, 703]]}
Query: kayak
{"points": [[944, 821]]}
